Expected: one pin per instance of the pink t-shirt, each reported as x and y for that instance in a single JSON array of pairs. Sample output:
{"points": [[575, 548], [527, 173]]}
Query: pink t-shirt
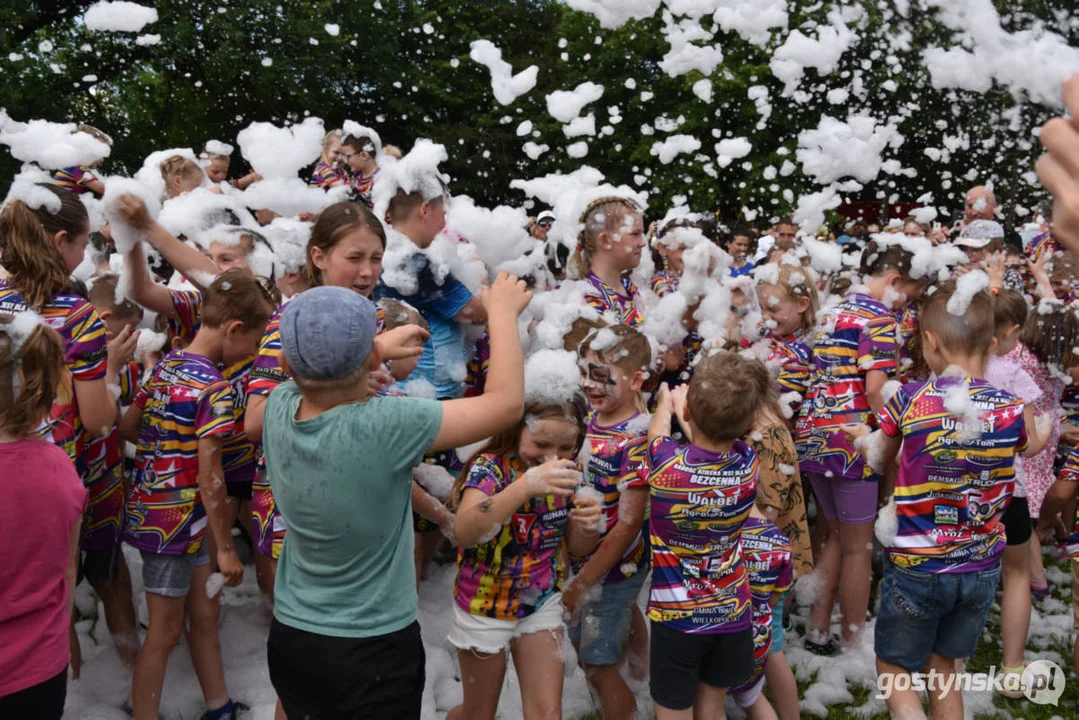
{"points": [[1008, 376], [39, 482]]}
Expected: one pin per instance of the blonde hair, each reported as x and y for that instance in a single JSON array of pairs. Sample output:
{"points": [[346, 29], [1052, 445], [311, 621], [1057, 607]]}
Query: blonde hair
{"points": [[786, 283], [178, 166], [95, 133], [29, 377], [327, 141], [36, 268], [392, 151], [602, 215]]}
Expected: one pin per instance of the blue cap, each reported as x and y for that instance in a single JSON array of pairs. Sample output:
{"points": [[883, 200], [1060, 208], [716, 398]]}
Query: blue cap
{"points": [[327, 332]]}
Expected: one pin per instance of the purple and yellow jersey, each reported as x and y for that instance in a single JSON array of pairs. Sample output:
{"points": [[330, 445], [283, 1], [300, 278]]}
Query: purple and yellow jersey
{"points": [[514, 573], [1041, 244], [956, 472], [187, 314], [621, 303], [790, 355], [699, 501], [611, 458], [266, 374], [185, 400], [327, 176], [859, 335], [74, 179], [664, 283], [85, 355], [909, 337], [363, 185], [103, 522], [766, 553], [478, 364]]}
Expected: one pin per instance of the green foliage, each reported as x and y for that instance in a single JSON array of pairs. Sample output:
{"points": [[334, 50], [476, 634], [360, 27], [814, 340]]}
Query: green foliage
{"points": [[403, 67]]}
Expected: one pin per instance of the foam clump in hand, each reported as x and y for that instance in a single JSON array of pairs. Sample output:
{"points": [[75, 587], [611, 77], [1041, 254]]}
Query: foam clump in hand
{"points": [[887, 525], [587, 492], [123, 235], [214, 584]]}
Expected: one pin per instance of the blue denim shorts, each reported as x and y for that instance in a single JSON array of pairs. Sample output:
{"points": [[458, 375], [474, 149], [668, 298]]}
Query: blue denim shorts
{"points": [[923, 613], [603, 626], [170, 575]]}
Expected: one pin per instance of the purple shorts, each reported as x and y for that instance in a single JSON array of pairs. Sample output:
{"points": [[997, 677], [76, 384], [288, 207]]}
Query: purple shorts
{"points": [[849, 501]]}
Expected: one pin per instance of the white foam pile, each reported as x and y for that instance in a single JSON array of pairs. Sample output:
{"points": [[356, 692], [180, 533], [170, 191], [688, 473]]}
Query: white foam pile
{"points": [[48, 144], [505, 85], [118, 17]]}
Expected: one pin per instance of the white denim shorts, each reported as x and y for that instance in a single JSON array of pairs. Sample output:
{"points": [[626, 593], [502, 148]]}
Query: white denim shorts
{"points": [[750, 695], [490, 635]]}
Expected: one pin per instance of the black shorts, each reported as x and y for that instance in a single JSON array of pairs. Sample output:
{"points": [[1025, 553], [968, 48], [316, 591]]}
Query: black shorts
{"points": [[1017, 524], [331, 678], [99, 566], [44, 701], [240, 490], [679, 661]]}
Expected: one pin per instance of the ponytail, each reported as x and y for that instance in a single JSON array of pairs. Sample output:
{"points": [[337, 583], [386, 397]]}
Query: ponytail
{"points": [[30, 375], [27, 251]]}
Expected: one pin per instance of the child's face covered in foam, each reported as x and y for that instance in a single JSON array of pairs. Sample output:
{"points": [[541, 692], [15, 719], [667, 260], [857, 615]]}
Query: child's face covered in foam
{"points": [[779, 307], [627, 241], [218, 170], [544, 439], [355, 262], [227, 255], [607, 387]]}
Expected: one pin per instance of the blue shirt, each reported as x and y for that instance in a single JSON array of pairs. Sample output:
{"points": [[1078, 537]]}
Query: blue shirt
{"points": [[741, 271], [438, 301]]}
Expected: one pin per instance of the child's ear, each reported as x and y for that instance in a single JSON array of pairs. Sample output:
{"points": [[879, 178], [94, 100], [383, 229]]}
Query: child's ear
{"points": [[233, 328], [603, 240], [374, 358], [930, 339], [104, 315], [636, 381], [685, 414], [176, 343], [59, 239], [803, 304], [992, 346]]}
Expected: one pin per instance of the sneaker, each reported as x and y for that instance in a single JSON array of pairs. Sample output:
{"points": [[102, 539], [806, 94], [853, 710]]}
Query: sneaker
{"points": [[788, 622], [229, 711], [825, 649], [1011, 685]]}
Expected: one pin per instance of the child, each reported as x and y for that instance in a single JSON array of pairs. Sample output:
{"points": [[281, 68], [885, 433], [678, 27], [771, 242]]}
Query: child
{"points": [[37, 577], [701, 494], [608, 248], [789, 307], [182, 175], [329, 173], [766, 553], [178, 420], [81, 179], [614, 362], [508, 587], [1062, 493], [959, 437], [344, 641], [40, 249], [854, 353], [103, 562], [1010, 315], [217, 167], [670, 249], [1045, 350], [359, 154], [444, 302], [345, 250], [398, 313]]}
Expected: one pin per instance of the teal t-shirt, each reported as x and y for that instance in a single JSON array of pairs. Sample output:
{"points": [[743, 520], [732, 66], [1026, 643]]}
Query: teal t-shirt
{"points": [[343, 483]]}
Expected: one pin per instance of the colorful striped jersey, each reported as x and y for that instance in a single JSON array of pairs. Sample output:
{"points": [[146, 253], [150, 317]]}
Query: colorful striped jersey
{"points": [[620, 303], [184, 400], [237, 452], [326, 176], [790, 356], [74, 179], [103, 522], [699, 502], [363, 185], [956, 473], [909, 338], [1041, 244], [86, 355], [664, 283], [514, 573], [859, 335], [610, 459], [266, 374], [766, 553]]}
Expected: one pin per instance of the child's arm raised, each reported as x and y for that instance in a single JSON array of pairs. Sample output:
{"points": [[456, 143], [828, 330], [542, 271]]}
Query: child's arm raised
{"points": [[192, 264], [661, 418], [469, 420], [215, 501], [479, 513], [631, 508]]}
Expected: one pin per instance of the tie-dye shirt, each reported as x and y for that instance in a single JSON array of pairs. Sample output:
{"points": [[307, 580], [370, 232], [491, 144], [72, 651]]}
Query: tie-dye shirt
{"points": [[956, 475], [766, 553], [859, 335], [363, 186], [514, 573], [326, 176], [622, 303], [610, 460], [103, 522], [74, 179], [664, 283], [185, 400], [699, 502], [85, 354]]}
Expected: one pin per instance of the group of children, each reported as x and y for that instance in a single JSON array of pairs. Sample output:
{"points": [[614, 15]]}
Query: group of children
{"points": [[678, 468]]}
